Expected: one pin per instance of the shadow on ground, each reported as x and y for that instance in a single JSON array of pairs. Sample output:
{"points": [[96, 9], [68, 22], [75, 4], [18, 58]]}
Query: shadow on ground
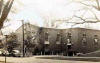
{"points": [[90, 59]]}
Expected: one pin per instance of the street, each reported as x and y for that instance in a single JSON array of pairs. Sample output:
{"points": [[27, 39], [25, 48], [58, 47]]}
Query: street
{"points": [[40, 60]]}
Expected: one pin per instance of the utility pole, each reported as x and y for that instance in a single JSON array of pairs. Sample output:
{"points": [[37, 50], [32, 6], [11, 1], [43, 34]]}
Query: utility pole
{"points": [[5, 48], [61, 41], [23, 38]]}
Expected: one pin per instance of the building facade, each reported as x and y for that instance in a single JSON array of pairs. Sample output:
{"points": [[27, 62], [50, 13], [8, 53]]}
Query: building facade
{"points": [[59, 41]]}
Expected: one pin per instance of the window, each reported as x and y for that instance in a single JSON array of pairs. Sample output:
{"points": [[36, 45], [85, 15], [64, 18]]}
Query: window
{"points": [[58, 38], [46, 38], [84, 35], [0, 40], [95, 39], [68, 41], [69, 35], [84, 41], [40, 30]]}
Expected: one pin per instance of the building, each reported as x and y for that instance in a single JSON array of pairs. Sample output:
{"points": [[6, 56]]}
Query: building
{"points": [[29, 34], [59, 41]]}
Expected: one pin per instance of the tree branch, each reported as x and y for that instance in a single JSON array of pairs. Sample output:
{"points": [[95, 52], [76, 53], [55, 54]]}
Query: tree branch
{"points": [[94, 6], [87, 21], [98, 4], [5, 12], [1, 4]]}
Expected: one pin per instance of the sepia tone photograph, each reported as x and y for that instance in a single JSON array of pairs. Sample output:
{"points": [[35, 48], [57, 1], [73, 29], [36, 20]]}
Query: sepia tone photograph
{"points": [[49, 31]]}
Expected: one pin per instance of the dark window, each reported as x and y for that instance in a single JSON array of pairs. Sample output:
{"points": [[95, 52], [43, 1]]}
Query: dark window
{"points": [[84, 40], [46, 36], [40, 30], [0, 40], [84, 35], [95, 39], [69, 35], [58, 37]]}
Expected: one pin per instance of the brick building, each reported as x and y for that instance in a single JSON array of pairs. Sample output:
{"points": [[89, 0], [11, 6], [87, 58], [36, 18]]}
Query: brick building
{"points": [[56, 41]]}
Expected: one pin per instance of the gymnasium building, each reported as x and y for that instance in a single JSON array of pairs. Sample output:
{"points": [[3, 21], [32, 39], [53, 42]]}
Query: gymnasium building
{"points": [[50, 41]]}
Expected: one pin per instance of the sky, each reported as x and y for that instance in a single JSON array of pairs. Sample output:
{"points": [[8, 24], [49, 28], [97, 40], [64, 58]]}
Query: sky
{"points": [[39, 12]]}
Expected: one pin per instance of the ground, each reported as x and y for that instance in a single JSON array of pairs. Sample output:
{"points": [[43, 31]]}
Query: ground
{"points": [[42, 59]]}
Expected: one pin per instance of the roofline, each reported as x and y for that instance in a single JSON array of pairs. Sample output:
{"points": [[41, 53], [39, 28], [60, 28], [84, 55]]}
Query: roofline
{"points": [[57, 28]]}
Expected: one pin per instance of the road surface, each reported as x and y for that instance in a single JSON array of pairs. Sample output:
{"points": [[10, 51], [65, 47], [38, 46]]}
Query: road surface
{"points": [[34, 59]]}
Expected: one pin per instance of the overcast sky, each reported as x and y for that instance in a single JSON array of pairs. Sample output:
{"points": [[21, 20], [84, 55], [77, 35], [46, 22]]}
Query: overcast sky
{"points": [[38, 12]]}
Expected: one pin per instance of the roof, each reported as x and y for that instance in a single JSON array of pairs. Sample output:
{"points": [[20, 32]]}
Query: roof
{"points": [[55, 28]]}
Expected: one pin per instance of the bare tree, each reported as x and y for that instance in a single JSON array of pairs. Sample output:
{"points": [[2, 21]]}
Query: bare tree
{"points": [[4, 10], [91, 6], [87, 5]]}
